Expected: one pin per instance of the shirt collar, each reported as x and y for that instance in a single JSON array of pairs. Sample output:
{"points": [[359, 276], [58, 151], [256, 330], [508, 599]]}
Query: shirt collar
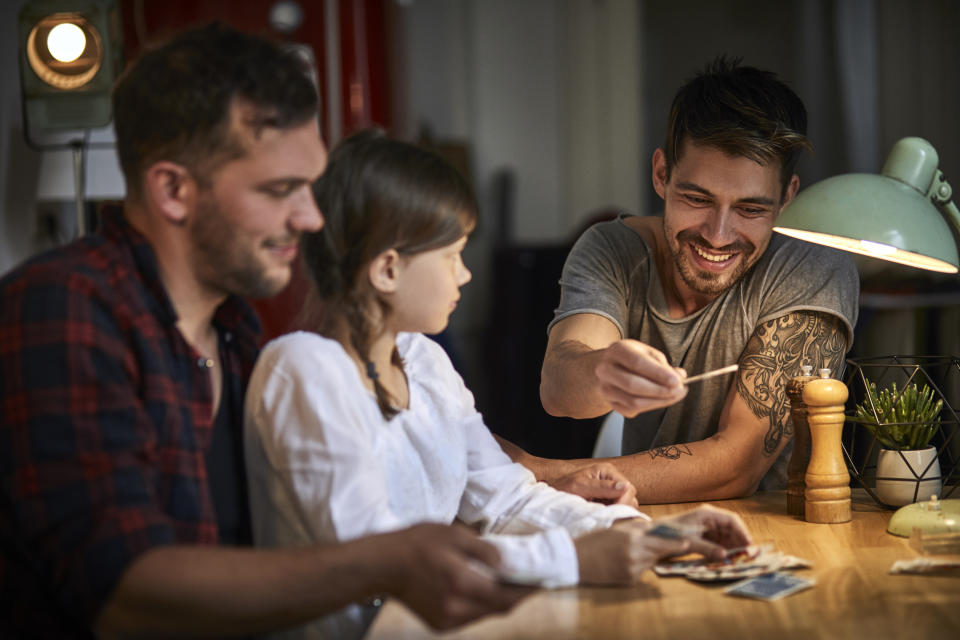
{"points": [[234, 315]]}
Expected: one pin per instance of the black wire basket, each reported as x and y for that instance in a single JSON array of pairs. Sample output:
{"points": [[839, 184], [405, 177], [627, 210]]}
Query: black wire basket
{"points": [[862, 448]]}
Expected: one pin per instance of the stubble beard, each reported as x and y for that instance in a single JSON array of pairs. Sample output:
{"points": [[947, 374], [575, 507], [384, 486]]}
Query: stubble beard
{"points": [[226, 264], [705, 282]]}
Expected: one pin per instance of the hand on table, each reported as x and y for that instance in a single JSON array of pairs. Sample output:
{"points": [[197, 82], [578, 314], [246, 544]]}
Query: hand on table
{"points": [[722, 530], [436, 575], [634, 377], [621, 554], [599, 482]]}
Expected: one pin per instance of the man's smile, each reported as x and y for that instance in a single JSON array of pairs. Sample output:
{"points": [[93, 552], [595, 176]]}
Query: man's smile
{"points": [[713, 257]]}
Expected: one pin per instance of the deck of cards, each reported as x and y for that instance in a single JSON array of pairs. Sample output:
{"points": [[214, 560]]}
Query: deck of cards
{"points": [[769, 586], [745, 562]]}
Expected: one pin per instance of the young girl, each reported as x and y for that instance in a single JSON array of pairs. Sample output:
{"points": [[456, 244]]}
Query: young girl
{"points": [[364, 426]]}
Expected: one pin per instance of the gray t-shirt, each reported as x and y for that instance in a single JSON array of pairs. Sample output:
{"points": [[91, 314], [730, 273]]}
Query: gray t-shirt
{"points": [[611, 271]]}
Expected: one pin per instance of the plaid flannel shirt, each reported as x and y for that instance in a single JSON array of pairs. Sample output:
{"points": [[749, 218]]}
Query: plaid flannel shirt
{"points": [[105, 417]]}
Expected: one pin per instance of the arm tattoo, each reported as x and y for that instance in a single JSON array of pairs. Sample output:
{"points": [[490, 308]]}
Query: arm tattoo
{"points": [[774, 354], [670, 451]]}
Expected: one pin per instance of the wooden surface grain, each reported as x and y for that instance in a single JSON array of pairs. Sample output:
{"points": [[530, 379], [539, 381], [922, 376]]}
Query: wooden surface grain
{"points": [[855, 595]]}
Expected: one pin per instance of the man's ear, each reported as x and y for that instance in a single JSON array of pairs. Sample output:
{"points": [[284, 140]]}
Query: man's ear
{"points": [[659, 173], [384, 271], [790, 192], [171, 190]]}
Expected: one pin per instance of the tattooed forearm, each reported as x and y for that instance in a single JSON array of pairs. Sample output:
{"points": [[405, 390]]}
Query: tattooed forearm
{"points": [[670, 452], [774, 354]]}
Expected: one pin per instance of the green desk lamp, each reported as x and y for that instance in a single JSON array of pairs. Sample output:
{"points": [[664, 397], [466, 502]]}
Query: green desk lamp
{"points": [[900, 215]]}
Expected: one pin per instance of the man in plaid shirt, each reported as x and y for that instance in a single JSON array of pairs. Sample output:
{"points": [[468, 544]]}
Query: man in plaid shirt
{"points": [[123, 363]]}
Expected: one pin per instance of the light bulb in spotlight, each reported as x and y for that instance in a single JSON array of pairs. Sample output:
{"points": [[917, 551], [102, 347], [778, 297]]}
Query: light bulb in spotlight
{"points": [[66, 42]]}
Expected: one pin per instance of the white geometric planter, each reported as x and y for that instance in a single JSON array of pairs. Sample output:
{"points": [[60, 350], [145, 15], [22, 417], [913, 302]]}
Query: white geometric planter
{"points": [[861, 448], [905, 477]]}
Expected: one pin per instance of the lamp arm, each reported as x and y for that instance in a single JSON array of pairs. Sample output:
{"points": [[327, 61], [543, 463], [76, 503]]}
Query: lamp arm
{"points": [[941, 194], [80, 184], [952, 214]]}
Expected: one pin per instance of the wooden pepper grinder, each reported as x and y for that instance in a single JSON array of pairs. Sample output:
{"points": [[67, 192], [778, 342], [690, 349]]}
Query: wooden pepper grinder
{"points": [[800, 457], [827, 480]]}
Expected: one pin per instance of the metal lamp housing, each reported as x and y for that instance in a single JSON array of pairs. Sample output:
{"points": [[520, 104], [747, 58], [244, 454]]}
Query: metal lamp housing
{"points": [[895, 216], [71, 94]]}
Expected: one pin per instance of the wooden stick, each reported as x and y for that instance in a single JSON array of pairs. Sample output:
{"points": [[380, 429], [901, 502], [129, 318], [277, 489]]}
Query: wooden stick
{"points": [[711, 374]]}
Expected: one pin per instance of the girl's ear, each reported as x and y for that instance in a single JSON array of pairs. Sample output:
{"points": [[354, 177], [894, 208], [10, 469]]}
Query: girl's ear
{"points": [[384, 271], [171, 191]]}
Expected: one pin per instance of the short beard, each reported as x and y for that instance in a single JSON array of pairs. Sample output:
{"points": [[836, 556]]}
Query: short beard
{"points": [[707, 283], [224, 264]]}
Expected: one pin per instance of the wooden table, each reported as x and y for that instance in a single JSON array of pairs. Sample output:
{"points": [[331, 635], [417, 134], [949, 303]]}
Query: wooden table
{"points": [[855, 596]]}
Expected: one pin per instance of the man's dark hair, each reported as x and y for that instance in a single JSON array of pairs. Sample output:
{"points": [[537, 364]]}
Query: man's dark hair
{"points": [[174, 102], [743, 111]]}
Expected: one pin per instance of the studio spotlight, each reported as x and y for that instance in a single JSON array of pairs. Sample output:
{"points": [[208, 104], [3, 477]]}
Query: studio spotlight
{"points": [[70, 54]]}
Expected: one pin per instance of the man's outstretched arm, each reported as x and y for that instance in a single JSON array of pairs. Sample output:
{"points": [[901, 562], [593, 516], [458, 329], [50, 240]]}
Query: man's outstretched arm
{"points": [[588, 370], [209, 591], [754, 425]]}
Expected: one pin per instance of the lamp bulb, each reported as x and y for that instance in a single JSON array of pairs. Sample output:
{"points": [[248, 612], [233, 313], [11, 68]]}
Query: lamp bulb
{"points": [[66, 42]]}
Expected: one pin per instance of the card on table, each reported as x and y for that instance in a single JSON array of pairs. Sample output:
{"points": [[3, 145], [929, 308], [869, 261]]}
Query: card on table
{"points": [[740, 563], [769, 586]]}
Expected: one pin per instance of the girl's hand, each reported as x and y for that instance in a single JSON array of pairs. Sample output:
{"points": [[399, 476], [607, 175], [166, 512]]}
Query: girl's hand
{"points": [[721, 530], [622, 554]]}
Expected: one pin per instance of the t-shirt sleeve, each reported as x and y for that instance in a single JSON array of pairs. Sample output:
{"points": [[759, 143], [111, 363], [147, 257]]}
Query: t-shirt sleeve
{"points": [[808, 277], [595, 277]]}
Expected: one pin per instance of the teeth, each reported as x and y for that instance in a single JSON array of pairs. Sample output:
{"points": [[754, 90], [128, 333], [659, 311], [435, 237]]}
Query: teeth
{"points": [[710, 257]]}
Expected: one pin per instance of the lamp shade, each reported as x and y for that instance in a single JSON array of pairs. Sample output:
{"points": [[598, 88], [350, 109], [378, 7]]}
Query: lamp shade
{"points": [[891, 216]]}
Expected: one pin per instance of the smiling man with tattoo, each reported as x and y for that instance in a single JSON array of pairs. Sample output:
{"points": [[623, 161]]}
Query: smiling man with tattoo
{"points": [[645, 300]]}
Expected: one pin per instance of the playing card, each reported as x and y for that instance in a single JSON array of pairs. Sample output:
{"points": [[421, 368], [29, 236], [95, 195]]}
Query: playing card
{"points": [[701, 565], [740, 563], [675, 530], [769, 586], [927, 566]]}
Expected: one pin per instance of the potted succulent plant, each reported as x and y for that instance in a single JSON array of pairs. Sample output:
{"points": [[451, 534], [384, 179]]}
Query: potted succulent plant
{"points": [[903, 421]]}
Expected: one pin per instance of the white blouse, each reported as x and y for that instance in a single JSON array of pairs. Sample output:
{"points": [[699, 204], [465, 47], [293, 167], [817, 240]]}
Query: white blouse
{"points": [[324, 466]]}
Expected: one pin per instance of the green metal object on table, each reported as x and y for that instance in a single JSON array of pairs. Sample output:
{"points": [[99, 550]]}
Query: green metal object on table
{"points": [[930, 516]]}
